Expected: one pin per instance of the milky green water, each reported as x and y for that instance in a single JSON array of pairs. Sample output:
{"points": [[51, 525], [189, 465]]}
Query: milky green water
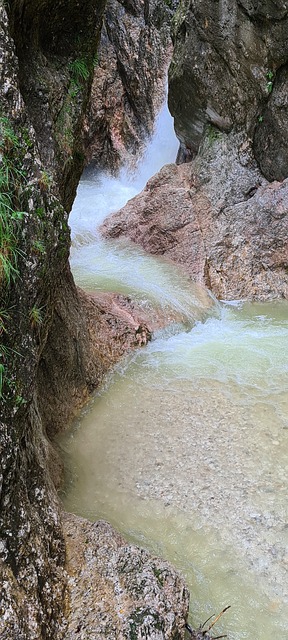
{"points": [[185, 448]]}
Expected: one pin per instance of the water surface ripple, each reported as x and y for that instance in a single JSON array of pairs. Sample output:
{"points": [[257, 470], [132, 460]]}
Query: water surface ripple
{"points": [[185, 448]]}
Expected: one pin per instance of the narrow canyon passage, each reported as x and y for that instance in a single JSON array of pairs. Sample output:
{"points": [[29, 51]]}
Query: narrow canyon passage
{"points": [[185, 448]]}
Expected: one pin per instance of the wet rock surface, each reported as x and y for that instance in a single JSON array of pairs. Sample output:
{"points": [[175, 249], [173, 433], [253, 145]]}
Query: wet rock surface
{"points": [[102, 328], [271, 137], [217, 217], [126, 592], [129, 80], [227, 62], [47, 328]]}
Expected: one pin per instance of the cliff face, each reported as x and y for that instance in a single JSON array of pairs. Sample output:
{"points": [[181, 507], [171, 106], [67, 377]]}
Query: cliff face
{"points": [[217, 216], [34, 255], [229, 69], [129, 80], [50, 353]]}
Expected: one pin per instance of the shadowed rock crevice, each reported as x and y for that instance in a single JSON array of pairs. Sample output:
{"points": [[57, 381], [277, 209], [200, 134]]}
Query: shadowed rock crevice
{"points": [[271, 135]]}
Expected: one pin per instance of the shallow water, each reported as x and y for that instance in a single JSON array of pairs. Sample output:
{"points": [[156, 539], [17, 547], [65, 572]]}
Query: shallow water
{"points": [[185, 449]]}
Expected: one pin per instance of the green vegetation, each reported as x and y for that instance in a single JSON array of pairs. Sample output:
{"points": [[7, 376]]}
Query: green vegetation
{"points": [[270, 80], [10, 178], [11, 181], [158, 575], [79, 70], [39, 247], [36, 316], [44, 181], [212, 133], [6, 354]]}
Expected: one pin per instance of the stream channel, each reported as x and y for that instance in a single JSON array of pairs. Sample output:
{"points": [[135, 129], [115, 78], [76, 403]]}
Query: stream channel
{"points": [[185, 447]]}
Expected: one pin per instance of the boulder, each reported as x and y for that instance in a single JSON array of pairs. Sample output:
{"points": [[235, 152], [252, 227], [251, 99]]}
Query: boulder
{"points": [[117, 590], [217, 217]]}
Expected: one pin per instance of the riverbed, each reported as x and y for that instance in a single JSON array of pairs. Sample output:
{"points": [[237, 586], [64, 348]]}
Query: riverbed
{"points": [[185, 447]]}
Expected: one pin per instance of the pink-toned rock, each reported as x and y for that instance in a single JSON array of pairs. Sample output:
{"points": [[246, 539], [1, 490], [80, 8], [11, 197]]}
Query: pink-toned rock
{"points": [[129, 80], [218, 218]]}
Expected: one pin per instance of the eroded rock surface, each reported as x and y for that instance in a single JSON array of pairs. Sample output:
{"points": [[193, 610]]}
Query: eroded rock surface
{"points": [[129, 80], [90, 333], [47, 327], [126, 593], [217, 217], [227, 63]]}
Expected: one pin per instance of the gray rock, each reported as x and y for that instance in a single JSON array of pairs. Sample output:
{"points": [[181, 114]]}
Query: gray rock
{"points": [[129, 81], [271, 135], [217, 217], [117, 590], [224, 58]]}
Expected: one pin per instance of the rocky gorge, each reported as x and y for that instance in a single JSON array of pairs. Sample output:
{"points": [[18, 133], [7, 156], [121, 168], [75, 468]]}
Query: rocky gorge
{"points": [[222, 216]]}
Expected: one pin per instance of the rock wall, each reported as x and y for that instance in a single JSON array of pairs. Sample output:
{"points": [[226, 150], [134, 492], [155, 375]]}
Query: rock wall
{"points": [[47, 328], [128, 594], [217, 217], [229, 69], [129, 80]]}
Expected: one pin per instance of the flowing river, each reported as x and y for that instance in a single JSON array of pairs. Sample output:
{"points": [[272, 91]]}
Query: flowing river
{"points": [[185, 448]]}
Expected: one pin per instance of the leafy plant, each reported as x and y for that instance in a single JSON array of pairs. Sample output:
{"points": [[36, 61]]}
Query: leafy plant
{"points": [[39, 246], [4, 351], [270, 80], [73, 89], [212, 133], [4, 315], [44, 181], [11, 176], [8, 137], [36, 316], [79, 69]]}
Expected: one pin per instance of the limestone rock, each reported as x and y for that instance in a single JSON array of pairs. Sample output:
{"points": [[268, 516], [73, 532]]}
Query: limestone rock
{"points": [[32, 552], [271, 135], [218, 218], [227, 59], [129, 80], [117, 590], [90, 333]]}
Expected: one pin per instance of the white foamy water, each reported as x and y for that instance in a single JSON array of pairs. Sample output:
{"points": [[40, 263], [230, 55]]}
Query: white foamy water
{"points": [[100, 194], [185, 449]]}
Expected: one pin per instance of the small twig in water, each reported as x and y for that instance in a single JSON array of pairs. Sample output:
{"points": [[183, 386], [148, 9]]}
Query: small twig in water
{"points": [[198, 634], [203, 625], [218, 617]]}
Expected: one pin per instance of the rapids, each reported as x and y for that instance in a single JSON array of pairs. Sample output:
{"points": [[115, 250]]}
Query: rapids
{"points": [[185, 448]]}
